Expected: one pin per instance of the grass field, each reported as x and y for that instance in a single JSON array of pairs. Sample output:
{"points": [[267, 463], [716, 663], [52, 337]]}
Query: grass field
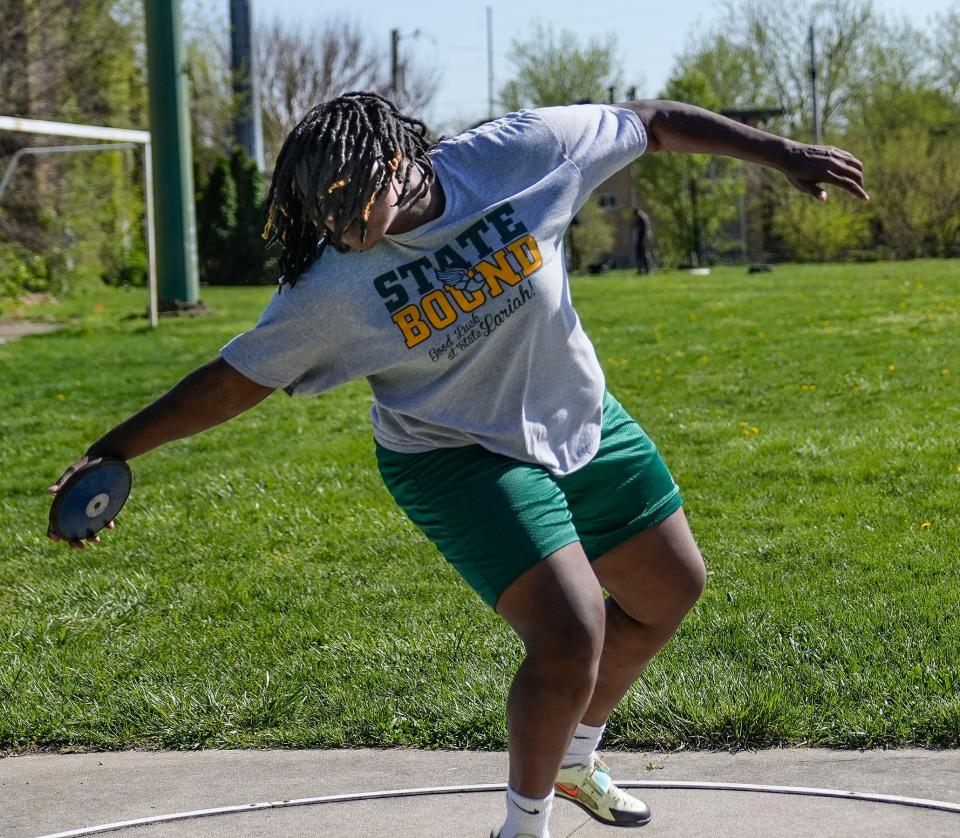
{"points": [[263, 590]]}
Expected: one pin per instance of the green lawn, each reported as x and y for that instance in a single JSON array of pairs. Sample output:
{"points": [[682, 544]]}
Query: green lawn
{"points": [[263, 590]]}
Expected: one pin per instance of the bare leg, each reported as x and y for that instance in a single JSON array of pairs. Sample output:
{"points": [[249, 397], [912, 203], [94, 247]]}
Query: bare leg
{"points": [[654, 579], [556, 608]]}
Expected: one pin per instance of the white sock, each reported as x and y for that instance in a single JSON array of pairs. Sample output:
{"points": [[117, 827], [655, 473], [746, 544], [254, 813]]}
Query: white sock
{"points": [[585, 740], [527, 815]]}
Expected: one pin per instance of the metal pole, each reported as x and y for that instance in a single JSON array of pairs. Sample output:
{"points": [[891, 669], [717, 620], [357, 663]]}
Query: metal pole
{"points": [[490, 62], [152, 305], [177, 278], [69, 129], [817, 136], [395, 62], [125, 136], [248, 130], [54, 149]]}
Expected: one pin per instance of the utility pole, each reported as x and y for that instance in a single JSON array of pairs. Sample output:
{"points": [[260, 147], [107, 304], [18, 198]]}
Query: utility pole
{"points": [[177, 282], [490, 62], [817, 136], [395, 62], [247, 128]]}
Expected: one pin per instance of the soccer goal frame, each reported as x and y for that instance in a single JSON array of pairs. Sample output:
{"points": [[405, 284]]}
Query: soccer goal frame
{"points": [[113, 138]]}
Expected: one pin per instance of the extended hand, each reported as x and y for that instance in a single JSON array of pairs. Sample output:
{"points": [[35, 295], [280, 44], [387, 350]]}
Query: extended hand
{"points": [[76, 543], [807, 166]]}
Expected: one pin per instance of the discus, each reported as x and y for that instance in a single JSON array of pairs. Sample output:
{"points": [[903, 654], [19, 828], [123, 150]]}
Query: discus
{"points": [[90, 498]]}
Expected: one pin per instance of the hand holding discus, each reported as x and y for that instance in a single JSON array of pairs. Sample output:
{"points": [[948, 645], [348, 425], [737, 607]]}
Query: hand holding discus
{"points": [[88, 496]]}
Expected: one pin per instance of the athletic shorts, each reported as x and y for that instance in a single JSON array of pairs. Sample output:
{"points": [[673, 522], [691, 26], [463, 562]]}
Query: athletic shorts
{"points": [[494, 517]]}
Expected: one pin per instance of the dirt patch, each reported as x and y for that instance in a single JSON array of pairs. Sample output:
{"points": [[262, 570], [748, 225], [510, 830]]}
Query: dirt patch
{"points": [[35, 298], [13, 329]]}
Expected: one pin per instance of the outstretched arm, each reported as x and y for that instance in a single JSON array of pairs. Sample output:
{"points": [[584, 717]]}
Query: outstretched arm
{"points": [[208, 396], [676, 126]]}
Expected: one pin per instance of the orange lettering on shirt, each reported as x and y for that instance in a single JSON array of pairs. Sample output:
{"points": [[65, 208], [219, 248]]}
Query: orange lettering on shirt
{"points": [[438, 309], [466, 300], [527, 254], [494, 274], [411, 324]]}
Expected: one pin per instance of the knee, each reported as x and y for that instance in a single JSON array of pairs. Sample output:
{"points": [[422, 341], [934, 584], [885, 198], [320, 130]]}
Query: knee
{"points": [[677, 589], [684, 588], [692, 581], [570, 644]]}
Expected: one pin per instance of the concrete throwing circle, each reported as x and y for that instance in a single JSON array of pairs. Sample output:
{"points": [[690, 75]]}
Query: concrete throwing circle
{"points": [[687, 785]]}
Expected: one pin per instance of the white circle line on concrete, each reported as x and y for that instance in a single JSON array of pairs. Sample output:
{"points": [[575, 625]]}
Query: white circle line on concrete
{"points": [[690, 785]]}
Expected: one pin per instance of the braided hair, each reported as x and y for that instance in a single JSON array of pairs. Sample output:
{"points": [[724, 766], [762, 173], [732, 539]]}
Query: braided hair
{"points": [[332, 168]]}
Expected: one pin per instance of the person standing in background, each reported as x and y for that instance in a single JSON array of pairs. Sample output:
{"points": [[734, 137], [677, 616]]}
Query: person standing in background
{"points": [[642, 241]]}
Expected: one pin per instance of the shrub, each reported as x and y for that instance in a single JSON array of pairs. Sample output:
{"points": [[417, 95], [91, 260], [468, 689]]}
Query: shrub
{"points": [[230, 223], [815, 232], [21, 271], [591, 236]]}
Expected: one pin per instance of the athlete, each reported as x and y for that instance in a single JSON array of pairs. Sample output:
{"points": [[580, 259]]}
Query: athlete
{"points": [[435, 271]]}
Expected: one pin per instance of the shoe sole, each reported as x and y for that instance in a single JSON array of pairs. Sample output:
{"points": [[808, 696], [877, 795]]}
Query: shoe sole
{"points": [[604, 821]]}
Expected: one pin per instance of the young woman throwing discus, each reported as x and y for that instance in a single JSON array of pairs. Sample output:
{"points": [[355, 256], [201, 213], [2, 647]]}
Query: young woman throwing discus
{"points": [[436, 272]]}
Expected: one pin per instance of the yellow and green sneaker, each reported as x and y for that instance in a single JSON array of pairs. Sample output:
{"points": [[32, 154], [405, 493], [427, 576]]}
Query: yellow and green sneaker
{"points": [[590, 787]]}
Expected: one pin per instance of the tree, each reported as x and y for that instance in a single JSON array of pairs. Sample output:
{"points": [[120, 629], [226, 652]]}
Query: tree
{"points": [[590, 238], [230, 223], [302, 65], [775, 38], [692, 196], [75, 61], [946, 51], [555, 69]]}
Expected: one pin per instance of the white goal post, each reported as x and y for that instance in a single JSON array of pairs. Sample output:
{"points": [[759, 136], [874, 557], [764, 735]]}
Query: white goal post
{"points": [[116, 135]]}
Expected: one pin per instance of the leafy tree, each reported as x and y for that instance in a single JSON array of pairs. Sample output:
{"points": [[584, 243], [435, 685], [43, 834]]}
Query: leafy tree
{"points": [[775, 40], [692, 197], [75, 61], [216, 222], [917, 192], [946, 51], [303, 65], [230, 223], [555, 69], [815, 232], [590, 238]]}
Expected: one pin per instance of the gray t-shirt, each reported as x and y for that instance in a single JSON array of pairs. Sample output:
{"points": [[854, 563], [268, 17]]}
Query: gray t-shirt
{"points": [[464, 327]]}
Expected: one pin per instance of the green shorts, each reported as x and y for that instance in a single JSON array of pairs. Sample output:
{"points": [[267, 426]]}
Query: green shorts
{"points": [[494, 517]]}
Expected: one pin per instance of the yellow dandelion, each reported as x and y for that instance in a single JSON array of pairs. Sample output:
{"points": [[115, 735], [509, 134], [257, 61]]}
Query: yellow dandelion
{"points": [[761, 334], [704, 359], [744, 424], [925, 525], [61, 397], [754, 430], [891, 367]]}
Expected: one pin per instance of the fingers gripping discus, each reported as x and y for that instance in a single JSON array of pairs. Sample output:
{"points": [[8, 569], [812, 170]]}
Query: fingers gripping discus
{"points": [[90, 498]]}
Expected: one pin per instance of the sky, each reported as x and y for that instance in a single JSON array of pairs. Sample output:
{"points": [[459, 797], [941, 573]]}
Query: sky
{"points": [[649, 36]]}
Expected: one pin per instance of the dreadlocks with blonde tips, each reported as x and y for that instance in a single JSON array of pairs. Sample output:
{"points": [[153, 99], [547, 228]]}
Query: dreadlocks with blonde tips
{"points": [[332, 168]]}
